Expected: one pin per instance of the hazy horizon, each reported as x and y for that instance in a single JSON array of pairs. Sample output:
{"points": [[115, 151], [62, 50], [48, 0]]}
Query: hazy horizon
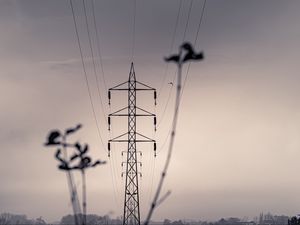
{"points": [[237, 145]]}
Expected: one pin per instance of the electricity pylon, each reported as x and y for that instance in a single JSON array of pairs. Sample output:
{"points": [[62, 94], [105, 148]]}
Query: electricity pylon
{"points": [[131, 215]]}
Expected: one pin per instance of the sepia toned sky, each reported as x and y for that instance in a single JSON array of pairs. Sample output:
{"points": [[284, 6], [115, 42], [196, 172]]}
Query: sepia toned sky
{"points": [[237, 147]]}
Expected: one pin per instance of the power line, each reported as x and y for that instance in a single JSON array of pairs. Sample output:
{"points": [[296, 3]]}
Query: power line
{"points": [[115, 174], [188, 19], [152, 179], [200, 22], [167, 66], [93, 59], [184, 34], [93, 108], [166, 106], [170, 91], [195, 42], [113, 184], [85, 74], [133, 32], [179, 60], [165, 142], [151, 166], [98, 44], [112, 168], [171, 47], [188, 68], [148, 174]]}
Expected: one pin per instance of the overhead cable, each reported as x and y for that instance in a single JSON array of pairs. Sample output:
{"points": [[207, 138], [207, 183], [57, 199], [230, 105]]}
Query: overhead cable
{"points": [[93, 58], [85, 74]]}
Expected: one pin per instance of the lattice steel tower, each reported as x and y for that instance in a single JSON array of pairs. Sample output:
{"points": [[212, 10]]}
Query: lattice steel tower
{"points": [[131, 215]]}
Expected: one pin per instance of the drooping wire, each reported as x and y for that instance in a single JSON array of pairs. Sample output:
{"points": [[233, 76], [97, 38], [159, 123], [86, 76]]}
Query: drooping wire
{"points": [[179, 92], [145, 170], [200, 22], [171, 47], [93, 59], [188, 19], [113, 184], [98, 45], [85, 73], [188, 68], [115, 173], [164, 142], [114, 176], [113, 169], [170, 91], [93, 108], [165, 74], [111, 159], [195, 43], [133, 31], [166, 106], [152, 179], [152, 168], [179, 60], [156, 201], [174, 77]]}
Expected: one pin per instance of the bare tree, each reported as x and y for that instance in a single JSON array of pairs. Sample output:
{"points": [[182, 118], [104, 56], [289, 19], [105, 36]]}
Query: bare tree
{"points": [[5, 218]]}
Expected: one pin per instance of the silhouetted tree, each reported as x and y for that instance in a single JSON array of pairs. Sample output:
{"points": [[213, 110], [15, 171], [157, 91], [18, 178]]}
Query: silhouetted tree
{"points": [[5, 218], [167, 222], [294, 221], [40, 221], [91, 219], [9, 218], [179, 222]]}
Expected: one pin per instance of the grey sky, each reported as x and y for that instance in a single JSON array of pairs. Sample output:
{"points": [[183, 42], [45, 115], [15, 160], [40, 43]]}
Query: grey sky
{"points": [[237, 147]]}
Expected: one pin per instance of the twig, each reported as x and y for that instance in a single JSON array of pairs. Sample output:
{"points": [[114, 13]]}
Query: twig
{"points": [[167, 163], [179, 59]]}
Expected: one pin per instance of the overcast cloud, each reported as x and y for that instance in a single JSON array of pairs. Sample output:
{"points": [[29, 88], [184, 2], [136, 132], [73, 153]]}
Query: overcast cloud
{"points": [[238, 145]]}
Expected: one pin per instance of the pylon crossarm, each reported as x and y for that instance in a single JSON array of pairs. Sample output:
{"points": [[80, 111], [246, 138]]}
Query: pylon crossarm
{"points": [[137, 89], [147, 139], [115, 139], [125, 140], [115, 88], [116, 113], [144, 89], [120, 89], [147, 87], [129, 114], [145, 111]]}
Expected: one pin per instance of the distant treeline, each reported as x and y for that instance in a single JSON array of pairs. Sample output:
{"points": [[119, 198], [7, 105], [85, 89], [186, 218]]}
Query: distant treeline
{"points": [[16, 219], [92, 219], [12, 219]]}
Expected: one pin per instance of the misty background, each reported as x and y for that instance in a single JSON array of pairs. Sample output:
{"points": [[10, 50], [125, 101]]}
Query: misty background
{"points": [[237, 145]]}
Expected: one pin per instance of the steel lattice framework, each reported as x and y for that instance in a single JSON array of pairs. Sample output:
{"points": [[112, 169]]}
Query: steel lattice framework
{"points": [[131, 215]]}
